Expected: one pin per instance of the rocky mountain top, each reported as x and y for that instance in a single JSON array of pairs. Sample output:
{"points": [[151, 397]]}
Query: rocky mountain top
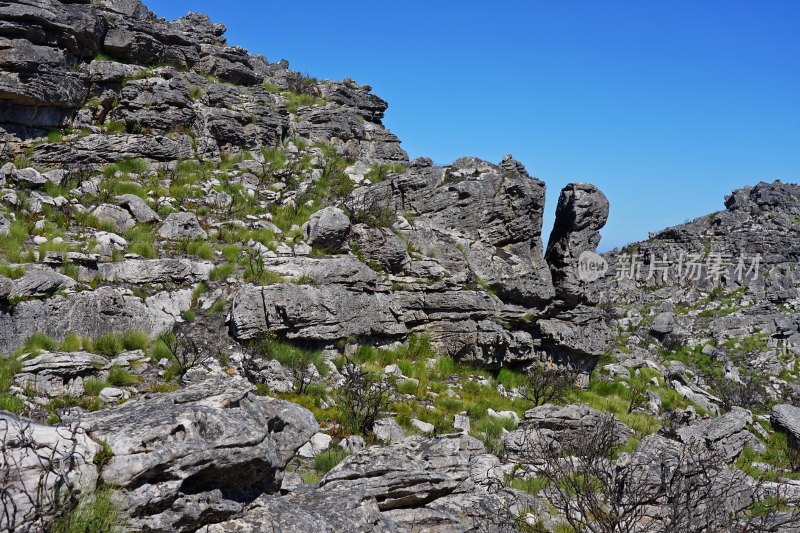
{"points": [[229, 302]]}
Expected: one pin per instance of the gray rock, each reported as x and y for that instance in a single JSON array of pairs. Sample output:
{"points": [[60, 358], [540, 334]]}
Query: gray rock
{"points": [[91, 313], [562, 424], [663, 324], [314, 313], [114, 215], [182, 226], [786, 418], [328, 229], [57, 374], [339, 270], [353, 444], [5, 226], [479, 220], [409, 473], [34, 284], [111, 395], [424, 427], [726, 434], [102, 148], [37, 461], [30, 177], [388, 430], [141, 271], [215, 439], [383, 247], [138, 208], [581, 213]]}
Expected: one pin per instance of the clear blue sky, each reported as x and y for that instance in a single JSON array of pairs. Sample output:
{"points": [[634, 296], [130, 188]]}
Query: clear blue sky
{"points": [[666, 106]]}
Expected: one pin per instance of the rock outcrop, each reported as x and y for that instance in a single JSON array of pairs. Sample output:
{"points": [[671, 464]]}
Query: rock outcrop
{"points": [[186, 458], [41, 468]]}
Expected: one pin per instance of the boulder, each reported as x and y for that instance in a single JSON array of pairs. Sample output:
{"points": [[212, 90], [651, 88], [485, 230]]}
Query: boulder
{"points": [[114, 215], [30, 177], [91, 313], [786, 418], [663, 324], [180, 457], [179, 226], [37, 282], [388, 430], [726, 434], [138, 208], [561, 424], [328, 229], [37, 462]]}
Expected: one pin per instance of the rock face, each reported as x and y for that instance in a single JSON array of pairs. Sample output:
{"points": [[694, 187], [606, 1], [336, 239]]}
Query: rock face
{"points": [[91, 313], [581, 213], [185, 457], [439, 482], [41, 468]]}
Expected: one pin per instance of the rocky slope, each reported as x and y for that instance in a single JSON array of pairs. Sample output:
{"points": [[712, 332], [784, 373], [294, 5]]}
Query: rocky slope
{"points": [[229, 302]]}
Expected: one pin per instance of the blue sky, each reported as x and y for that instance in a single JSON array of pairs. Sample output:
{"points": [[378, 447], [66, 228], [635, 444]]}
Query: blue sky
{"points": [[666, 106]]}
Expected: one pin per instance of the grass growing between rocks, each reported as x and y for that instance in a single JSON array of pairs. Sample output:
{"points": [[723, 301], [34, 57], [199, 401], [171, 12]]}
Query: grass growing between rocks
{"points": [[96, 512]]}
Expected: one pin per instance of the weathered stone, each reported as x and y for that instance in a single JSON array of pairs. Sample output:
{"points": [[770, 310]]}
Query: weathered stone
{"points": [[581, 212], [727, 434], [383, 247], [328, 229], [116, 216], [388, 430], [562, 424], [142, 271], [787, 418], [37, 461], [316, 313], [214, 438], [138, 208], [90, 314], [182, 226], [34, 284]]}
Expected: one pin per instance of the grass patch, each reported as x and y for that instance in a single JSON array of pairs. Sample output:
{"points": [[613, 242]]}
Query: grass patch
{"points": [[324, 462], [121, 377], [295, 101], [96, 512]]}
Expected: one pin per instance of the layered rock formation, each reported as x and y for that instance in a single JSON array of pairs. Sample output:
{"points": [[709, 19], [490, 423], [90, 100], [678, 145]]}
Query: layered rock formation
{"points": [[188, 229]]}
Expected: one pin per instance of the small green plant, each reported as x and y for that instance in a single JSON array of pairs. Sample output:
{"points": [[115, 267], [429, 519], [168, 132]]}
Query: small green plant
{"points": [[121, 377], [39, 342], [116, 126], [108, 345], [71, 343], [93, 386], [195, 93], [297, 359], [222, 272], [12, 272], [295, 101], [324, 462], [97, 512]]}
